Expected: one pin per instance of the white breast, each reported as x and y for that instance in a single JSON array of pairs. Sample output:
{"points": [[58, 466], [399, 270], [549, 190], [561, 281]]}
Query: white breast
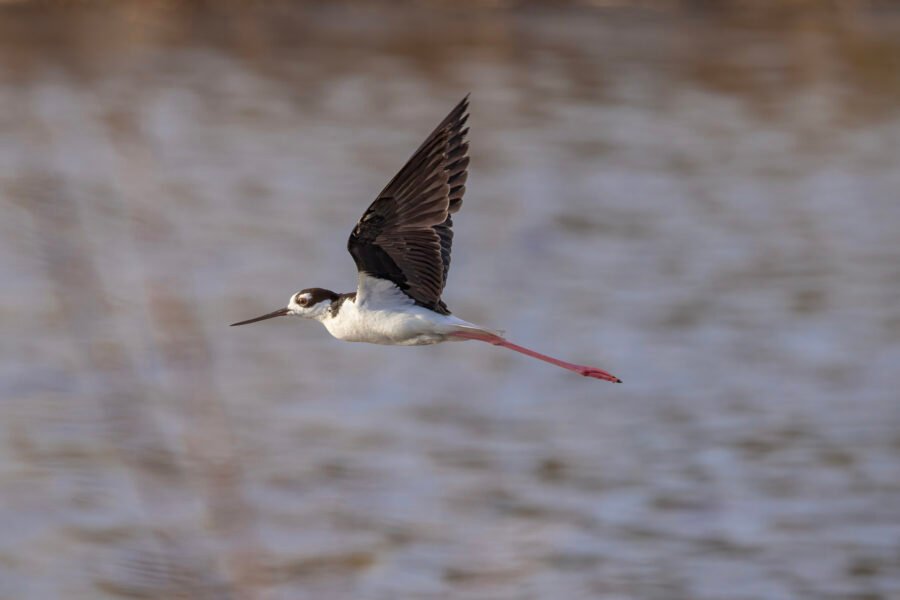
{"points": [[383, 314]]}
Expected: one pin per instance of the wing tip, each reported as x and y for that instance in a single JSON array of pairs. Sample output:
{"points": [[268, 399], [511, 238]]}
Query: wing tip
{"points": [[460, 111]]}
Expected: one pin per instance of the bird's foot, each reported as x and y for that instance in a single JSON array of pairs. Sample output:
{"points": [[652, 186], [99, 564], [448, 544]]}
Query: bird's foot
{"points": [[597, 374]]}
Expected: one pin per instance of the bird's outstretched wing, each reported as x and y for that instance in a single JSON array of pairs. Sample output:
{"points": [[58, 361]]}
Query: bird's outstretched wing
{"points": [[405, 236]]}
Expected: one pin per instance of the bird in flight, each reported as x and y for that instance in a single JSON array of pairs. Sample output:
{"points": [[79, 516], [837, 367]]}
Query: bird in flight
{"points": [[401, 247]]}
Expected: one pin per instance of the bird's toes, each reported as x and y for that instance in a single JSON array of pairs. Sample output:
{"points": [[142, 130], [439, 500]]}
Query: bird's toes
{"points": [[598, 374]]}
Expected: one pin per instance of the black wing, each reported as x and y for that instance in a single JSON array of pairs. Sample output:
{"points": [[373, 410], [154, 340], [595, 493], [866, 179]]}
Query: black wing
{"points": [[405, 236]]}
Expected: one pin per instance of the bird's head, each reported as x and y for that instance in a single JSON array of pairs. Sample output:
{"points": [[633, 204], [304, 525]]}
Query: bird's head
{"points": [[311, 303]]}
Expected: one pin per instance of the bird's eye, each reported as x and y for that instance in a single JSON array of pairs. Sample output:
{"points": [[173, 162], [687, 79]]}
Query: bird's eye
{"points": [[302, 300]]}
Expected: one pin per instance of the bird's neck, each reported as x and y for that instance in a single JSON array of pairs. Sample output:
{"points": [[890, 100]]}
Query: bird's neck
{"points": [[335, 304]]}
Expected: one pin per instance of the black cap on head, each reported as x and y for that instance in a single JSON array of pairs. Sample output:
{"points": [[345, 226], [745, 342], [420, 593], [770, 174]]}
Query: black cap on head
{"points": [[317, 295]]}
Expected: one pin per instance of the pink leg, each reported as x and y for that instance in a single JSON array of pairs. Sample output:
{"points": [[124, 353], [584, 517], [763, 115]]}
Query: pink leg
{"points": [[499, 341]]}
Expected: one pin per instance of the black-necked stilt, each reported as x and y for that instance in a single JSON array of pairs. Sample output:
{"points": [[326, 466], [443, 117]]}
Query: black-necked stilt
{"points": [[401, 247]]}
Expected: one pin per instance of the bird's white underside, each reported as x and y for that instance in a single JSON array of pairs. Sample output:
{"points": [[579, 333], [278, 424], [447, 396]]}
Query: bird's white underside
{"points": [[383, 314]]}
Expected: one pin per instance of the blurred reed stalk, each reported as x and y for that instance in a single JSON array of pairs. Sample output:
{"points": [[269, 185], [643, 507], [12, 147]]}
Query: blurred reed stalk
{"points": [[164, 480], [108, 370], [210, 443]]}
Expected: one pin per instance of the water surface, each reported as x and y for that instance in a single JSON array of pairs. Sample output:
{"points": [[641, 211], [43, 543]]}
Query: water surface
{"points": [[704, 204]]}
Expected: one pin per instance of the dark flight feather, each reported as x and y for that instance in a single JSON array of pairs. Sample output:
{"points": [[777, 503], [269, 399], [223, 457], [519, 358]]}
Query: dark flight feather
{"points": [[406, 234]]}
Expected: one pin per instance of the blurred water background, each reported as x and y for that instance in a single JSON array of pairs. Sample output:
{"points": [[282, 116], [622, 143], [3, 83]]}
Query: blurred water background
{"points": [[701, 197]]}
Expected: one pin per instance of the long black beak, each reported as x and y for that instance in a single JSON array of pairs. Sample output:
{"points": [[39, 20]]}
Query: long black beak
{"points": [[278, 313]]}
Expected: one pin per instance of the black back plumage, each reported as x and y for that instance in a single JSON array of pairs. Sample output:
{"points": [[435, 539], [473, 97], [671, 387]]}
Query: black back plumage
{"points": [[406, 234]]}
